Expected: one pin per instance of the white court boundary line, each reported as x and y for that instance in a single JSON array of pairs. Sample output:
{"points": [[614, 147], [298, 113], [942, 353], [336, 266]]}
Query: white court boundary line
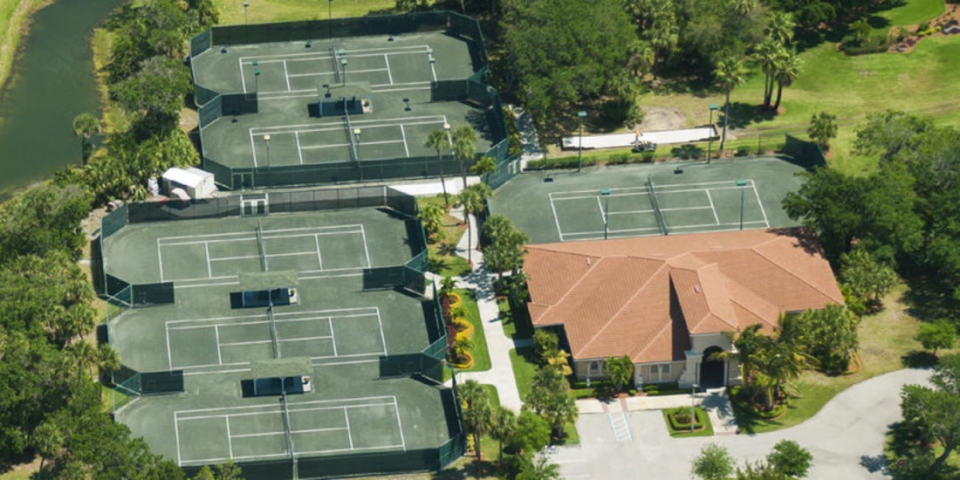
{"points": [[661, 190], [297, 407], [259, 319], [282, 233], [324, 59], [337, 126]]}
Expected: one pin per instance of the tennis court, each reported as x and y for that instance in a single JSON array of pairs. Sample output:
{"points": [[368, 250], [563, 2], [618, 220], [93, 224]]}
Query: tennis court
{"points": [[657, 210], [334, 140], [191, 258], [294, 427], [651, 199], [197, 253], [283, 75], [215, 345]]}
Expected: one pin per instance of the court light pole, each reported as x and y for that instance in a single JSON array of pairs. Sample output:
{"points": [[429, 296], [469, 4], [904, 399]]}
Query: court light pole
{"points": [[343, 65], [356, 153], [330, 18], [256, 80], [605, 193], [245, 5], [693, 405], [266, 140], [713, 107], [580, 115]]}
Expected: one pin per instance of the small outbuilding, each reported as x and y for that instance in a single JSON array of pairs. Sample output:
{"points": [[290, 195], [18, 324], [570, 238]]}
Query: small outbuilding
{"points": [[195, 182]]}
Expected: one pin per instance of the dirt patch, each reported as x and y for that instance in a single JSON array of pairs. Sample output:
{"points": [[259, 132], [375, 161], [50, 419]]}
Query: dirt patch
{"points": [[661, 118], [189, 119]]}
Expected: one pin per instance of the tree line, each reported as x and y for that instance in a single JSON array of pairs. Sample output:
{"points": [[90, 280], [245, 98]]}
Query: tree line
{"points": [[148, 82]]}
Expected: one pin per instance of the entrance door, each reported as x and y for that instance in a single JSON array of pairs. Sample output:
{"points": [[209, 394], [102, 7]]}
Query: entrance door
{"points": [[712, 370]]}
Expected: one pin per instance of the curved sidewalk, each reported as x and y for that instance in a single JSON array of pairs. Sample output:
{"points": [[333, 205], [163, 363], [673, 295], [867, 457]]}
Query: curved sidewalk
{"points": [[846, 438]]}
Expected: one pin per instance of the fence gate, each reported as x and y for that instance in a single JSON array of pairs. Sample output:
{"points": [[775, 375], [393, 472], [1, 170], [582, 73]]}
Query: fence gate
{"points": [[254, 204]]}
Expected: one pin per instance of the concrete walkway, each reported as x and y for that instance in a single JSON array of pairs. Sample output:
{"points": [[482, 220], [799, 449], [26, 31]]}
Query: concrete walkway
{"points": [[715, 402], [499, 344], [846, 438]]}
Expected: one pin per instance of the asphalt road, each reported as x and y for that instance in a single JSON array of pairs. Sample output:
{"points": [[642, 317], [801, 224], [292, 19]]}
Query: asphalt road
{"points": [[846, 439]]}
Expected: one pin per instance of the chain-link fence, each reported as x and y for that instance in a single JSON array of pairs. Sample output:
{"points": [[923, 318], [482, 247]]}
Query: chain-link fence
{"points": [[804, 153]]}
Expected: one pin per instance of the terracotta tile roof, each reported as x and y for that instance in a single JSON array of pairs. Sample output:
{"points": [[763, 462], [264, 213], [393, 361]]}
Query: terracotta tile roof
{"points": [[643, 297]]}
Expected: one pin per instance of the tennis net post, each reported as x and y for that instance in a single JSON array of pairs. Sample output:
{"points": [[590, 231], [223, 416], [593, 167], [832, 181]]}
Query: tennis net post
{"points": [[286, 421], [273, 327], [662, 225]]}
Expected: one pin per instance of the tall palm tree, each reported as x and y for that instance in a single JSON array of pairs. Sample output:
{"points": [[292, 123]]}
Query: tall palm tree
{"points": [[470, 393], [473, 200], [782, 362], [465, 148], [781, 27], [788, 69], [477, 420], [108, 359], [742, 8], [438, 140], [767, 55], [730, 73]]}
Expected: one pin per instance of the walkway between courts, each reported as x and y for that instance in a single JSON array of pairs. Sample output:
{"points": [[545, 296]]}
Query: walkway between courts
{"points": [[499, 344]]}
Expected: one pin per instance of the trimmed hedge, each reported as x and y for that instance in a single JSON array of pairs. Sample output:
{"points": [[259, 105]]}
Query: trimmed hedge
{"points": [[679, 426]]}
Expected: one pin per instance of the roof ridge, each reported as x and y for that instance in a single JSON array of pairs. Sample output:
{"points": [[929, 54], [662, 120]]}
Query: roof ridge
{"points": [[754, 312], [790, 272], [623, 306]]}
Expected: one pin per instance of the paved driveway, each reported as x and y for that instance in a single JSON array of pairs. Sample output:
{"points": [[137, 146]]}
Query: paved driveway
{"points": [[846, 438]]}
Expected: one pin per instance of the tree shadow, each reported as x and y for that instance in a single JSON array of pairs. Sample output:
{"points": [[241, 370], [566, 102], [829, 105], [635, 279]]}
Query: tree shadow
{"points": [[687, 152], [919, 359], [927, 299], [743, 114]]}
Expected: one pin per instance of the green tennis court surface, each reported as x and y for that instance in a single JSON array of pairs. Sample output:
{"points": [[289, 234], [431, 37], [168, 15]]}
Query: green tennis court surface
{"points": [[217, 251], [289, 80], [338, 329], [626, 201]]}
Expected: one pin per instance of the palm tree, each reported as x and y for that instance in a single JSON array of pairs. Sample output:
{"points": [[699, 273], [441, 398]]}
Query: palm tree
{"points": [[503, 426], [432, 218], [767, 55], [473, 199], [82, 355], [861, 30], [477, 420], [465, 148], [470, 393], [539, 469], [781, 27], [782, 362], [438, 140], [730, 73], [108, 359], [742, 8], [485, 166], [85, 126], [788, 69], [749, 344]]}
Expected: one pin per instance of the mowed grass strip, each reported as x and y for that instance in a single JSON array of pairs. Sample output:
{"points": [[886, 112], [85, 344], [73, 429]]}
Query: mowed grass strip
{"points": [[914, 12], [267, 11], [481, 356]]}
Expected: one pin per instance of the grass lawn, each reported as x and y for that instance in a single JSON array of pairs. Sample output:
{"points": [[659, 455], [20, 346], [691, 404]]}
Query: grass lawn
{"points": [[443, 259], [701, 413], [516, 325], [923, 82], [524, 368], [886, 344], [914, 12], [481, 357], [265, 11]]}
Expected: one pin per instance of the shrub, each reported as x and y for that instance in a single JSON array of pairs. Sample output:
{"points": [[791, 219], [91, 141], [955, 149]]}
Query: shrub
{"points": [[743, 151], [873, 44], [565, 162]]}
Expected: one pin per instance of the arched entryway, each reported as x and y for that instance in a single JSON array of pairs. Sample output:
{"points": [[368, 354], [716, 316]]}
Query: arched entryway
{"points": [[711, 370]]}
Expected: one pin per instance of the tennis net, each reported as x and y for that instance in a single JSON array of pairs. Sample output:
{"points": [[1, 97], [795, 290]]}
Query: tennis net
{"points": [[273, 328], [336, 64], [286, 423], [656, 206], [350, 140], [263, 251]]}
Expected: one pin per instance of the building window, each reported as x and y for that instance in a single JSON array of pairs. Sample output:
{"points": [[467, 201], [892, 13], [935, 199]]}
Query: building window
{"points": [[653, 370], [594, 368], [665, 369]]}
